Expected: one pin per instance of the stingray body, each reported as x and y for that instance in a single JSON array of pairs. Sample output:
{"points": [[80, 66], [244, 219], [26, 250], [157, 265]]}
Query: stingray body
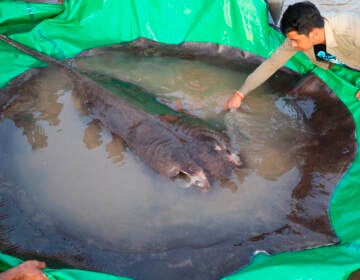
{"points": [[171, 144]]}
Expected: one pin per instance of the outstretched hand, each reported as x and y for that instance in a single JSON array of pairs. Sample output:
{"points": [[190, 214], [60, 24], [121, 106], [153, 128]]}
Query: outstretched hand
{"points": [[234, 101], [28, 270]]}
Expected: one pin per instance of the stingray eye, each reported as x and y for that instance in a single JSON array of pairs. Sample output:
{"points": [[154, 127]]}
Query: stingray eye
{"points": [[190, 170], [198, 183], [201, 183]]}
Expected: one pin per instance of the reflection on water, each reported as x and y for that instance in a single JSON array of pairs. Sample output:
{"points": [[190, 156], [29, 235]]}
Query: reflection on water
{"points": [[89, 187], [182, 84]]}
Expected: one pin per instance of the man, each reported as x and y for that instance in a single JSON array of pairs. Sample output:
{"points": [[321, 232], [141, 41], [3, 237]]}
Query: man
{"points": [[28, 270], [325, 41]]}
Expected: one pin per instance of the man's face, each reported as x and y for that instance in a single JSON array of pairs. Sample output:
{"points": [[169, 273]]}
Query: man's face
{"points": [[300, 42]]}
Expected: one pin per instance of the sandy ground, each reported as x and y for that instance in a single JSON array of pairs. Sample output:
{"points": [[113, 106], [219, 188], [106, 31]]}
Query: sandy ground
{"points": [[277, 7], [327, 6]]}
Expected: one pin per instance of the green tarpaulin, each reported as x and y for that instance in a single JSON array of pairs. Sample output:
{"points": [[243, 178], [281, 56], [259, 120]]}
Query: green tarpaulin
{"points": [[63, 31], [7, 262]]}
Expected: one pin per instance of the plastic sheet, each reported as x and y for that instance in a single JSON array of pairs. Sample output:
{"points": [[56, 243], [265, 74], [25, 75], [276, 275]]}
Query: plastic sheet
{"points": [[7, 262], [62, 32]]}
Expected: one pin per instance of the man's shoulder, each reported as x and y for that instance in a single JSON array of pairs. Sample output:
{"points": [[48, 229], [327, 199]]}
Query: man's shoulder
{"points": [[342, 24]]}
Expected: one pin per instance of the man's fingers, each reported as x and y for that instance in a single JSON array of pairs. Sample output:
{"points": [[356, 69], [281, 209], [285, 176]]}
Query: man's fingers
{"points": [[358, 95], [35, 263], [40, 265]]}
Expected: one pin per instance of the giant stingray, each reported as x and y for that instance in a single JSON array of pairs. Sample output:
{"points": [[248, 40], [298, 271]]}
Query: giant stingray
{"points": [[173, 144], [305, 223]]}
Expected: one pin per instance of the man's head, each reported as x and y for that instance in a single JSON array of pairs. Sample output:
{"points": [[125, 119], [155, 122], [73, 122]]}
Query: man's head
{"points": [[303, 24]]}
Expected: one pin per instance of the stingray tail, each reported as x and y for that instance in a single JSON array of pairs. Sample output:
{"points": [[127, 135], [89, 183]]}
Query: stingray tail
{"points": [[32, 52]]}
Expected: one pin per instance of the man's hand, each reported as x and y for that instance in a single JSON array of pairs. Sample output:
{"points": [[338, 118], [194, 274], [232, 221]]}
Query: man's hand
{"points": [[28, 270], [234, 101], [358, 95]]}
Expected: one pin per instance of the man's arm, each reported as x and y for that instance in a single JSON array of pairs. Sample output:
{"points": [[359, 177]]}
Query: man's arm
{"points": [[262, 73]]}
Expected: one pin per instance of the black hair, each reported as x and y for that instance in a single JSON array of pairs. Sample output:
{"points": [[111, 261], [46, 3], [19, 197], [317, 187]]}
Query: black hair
{"points": [[301, 17]]}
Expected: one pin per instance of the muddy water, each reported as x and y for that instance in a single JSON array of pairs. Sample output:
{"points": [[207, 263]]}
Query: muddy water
{"points": [[87, 201], [180, 83]]}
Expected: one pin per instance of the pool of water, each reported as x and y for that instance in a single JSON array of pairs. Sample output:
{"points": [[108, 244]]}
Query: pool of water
{"points": [[74, 193]]}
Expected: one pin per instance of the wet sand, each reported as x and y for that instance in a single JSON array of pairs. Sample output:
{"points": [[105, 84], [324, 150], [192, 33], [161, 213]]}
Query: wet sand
{"points": [[331, 6]]}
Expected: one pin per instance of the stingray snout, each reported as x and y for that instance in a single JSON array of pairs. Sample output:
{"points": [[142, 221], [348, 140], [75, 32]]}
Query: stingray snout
{"points": [[235, 159], [197, 177]]}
